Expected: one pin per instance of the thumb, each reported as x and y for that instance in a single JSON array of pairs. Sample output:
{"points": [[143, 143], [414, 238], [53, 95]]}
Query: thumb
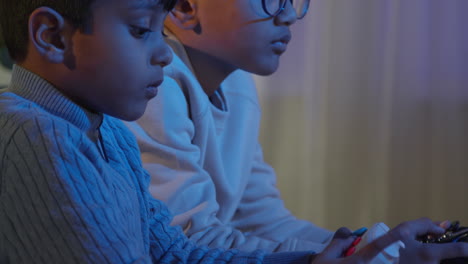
{"points": [[341, 241], [342, 233]]}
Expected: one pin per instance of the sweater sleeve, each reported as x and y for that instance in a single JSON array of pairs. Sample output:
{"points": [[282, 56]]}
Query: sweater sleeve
{"points": [[262, 211], [165, 136], [170, 245], [57, 205]]}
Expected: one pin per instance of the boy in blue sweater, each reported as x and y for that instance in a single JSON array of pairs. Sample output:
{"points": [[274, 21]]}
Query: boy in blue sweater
{"points": [[72, 187]]}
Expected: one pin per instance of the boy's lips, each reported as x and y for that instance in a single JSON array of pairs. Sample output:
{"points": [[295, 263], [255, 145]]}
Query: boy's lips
{"points": [[280, 45], [152, 89]]}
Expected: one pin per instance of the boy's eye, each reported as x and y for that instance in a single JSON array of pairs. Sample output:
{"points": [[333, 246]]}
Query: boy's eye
{"points": [[140, 32]]}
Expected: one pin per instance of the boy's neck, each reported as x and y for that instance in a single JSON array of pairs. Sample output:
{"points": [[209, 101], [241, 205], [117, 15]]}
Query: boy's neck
{"points": [[209, 70]]}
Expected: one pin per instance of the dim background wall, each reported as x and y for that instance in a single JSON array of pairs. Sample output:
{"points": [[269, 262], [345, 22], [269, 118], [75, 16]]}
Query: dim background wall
{"points": [[367, 118], [4, 73], [4, 76]]}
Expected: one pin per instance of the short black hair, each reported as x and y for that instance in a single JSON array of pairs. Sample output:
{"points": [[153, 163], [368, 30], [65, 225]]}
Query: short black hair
{"points": [[14, 16]]}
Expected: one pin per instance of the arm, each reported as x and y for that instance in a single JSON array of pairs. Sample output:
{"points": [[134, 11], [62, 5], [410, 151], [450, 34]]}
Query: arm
{"points": [[262, 211], [170, 245], [56, 205], [165, 135]]}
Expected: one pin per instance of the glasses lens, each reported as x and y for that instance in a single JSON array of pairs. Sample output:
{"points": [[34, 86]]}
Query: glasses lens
{"points": [[301, 7], [273, 7]]}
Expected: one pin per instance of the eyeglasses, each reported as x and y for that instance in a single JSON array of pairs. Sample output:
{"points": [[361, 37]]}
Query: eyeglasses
{"points": [[275, 7]]}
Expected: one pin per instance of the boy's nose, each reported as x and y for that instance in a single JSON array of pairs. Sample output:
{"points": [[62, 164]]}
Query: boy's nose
{"points": [[288, 16], [162, 56]]}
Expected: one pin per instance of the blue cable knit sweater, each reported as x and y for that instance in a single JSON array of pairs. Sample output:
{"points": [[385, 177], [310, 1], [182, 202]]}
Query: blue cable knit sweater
{"points": [[72, 189]]}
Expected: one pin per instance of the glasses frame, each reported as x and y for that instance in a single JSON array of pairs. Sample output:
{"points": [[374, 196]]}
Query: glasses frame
{"points": [[282, 7]]}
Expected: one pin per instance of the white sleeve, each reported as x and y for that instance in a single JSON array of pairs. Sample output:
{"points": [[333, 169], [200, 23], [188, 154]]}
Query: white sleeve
{"points": [[165, 135]]}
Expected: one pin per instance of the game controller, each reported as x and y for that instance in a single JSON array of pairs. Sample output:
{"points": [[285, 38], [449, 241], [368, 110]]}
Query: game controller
{"points": [[455, 233]]}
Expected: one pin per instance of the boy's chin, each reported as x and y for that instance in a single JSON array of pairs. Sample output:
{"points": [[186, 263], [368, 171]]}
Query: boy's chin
{"points": [[265, 70], [129, 116]]}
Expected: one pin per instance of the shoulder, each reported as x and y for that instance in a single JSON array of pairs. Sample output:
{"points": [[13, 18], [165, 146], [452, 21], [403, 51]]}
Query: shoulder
{"points": [[180, 72], [168, 114], [240, 88], [181, 84], [180, 96], [242, 79], [33, 139], [14, 109], [21, 118]]}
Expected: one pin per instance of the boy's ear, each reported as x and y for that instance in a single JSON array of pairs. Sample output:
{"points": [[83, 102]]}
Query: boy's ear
{"points": [[46, 32], [184, 14]]}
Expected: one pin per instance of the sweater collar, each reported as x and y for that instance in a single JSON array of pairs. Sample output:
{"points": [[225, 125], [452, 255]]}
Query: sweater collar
{"points": [[34, 88]]}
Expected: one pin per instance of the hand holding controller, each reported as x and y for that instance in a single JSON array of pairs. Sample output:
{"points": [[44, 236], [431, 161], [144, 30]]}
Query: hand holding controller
{"points": [[391, 253], [387, 247], [455, 233], [358, 233]]}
